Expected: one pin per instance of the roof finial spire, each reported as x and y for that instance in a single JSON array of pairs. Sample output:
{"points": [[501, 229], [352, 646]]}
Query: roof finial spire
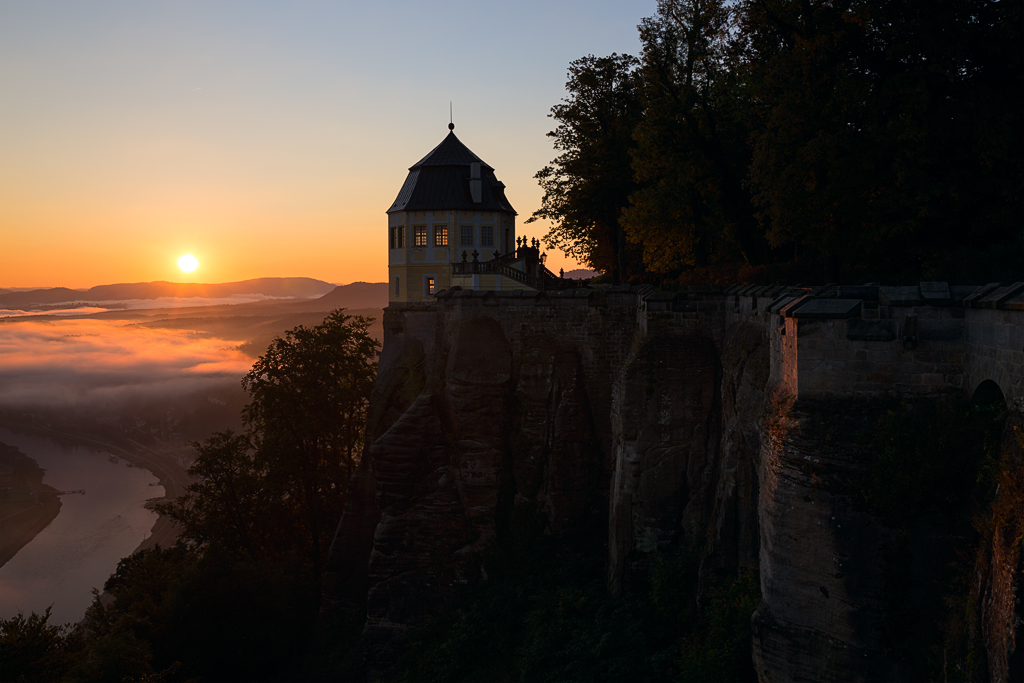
{"points": [[451, 119]]}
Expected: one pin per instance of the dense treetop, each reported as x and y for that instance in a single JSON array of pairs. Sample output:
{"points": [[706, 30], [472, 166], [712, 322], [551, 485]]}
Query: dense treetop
{"points": [[765, 140]]}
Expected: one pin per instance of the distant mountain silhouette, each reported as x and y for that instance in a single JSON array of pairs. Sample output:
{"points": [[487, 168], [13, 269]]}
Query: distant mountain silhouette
{"points": [[357, 295], [40, 296], [581, 274], [297, 287]]}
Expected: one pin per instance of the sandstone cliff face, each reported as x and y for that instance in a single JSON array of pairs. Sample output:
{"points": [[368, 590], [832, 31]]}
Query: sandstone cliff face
{"points": [[1000, 571], [487, 431], [478, 446], [495, 421], [822, 562], [685, 440], [851, 594]]}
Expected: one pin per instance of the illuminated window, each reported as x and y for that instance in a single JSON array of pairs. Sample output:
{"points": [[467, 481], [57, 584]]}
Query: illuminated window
{"points": [[419, 235], [440, 235], [486, 235], [428, 286], [467, 236]]}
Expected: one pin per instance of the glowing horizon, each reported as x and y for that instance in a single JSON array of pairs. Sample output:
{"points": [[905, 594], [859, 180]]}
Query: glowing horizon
{"points": [[268, 146]]}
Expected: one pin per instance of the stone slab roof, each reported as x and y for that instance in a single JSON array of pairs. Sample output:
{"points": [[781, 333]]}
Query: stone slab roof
{"points": [[827, 308], [900, 296]]}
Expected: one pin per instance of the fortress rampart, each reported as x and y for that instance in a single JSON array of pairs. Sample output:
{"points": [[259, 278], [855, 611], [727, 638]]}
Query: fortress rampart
{"points": [[855, 341]]}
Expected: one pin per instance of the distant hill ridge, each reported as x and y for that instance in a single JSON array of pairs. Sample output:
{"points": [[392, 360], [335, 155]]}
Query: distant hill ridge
{"points": [[357, 295], [297, 287], [580, 274]]}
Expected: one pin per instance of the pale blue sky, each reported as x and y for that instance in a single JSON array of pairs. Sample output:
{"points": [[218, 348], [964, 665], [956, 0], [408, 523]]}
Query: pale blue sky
{"points": [[268, 138]]}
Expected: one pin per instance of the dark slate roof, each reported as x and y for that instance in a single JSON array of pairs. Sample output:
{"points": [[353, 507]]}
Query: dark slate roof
{"points": [[451, 152], [440, 180]]}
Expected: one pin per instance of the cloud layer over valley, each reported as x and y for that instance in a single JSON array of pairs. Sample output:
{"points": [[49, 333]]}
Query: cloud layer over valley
{"points": [[100, 364]]}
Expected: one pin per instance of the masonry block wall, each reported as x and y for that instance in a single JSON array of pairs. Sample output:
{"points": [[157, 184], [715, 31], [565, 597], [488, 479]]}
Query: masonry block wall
{"points": [[923, 340], [994, 350], [833, 341], [599, 325]]}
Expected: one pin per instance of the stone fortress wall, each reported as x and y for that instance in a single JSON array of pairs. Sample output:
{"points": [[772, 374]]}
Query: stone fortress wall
{"points": [[854, 341]]}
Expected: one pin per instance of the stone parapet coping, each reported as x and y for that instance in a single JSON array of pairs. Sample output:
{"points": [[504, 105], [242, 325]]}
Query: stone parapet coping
{"points": [[830, 340], [802, 302]]}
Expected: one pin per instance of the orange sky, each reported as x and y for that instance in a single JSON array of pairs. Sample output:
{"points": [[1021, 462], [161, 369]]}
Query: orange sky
{"points": [[265, 139]]}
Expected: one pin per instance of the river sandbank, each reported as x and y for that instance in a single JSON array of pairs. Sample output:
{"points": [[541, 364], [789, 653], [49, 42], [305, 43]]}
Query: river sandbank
{"points": [[166, 466]]}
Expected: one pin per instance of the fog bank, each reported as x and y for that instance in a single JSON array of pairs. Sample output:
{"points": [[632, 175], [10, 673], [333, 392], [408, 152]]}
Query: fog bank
{"points": [[101, 364]]}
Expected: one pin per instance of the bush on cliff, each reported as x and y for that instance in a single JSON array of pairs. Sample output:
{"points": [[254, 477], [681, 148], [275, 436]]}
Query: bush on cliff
{"points": [[933, 457], [549, 618], [934, 470]]}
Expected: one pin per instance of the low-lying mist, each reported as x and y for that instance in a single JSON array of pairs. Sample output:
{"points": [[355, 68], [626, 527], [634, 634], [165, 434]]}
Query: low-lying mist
{"points": [[163, 376], [103, 366]]}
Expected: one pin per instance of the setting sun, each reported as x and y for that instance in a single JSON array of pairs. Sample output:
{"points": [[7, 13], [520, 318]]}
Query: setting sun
{"points": [[188, 263]]}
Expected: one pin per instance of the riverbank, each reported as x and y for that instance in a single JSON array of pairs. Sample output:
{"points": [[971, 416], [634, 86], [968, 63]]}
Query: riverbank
{"points": [[18, 529], [165, 465], [27, 505]]}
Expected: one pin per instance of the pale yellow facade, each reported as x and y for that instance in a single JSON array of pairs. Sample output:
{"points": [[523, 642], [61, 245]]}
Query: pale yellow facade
{"points": [[422, 245]]}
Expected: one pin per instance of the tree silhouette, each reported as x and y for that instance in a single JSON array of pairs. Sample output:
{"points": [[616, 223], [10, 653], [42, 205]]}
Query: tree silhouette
{"points": [[588, 185], [280, 487], [881, 139]]}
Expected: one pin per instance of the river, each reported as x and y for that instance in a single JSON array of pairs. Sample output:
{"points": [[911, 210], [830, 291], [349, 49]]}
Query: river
{"points": [[80, 549]]}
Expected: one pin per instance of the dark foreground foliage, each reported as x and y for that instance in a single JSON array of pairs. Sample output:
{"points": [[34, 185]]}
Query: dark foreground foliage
{"points": [[32, 649], [210, 615], [174, 615], [280, 487], [549, 618]]}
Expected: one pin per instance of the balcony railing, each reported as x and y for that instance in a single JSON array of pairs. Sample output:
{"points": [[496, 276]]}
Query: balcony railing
{"points": [[544, 278]]}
